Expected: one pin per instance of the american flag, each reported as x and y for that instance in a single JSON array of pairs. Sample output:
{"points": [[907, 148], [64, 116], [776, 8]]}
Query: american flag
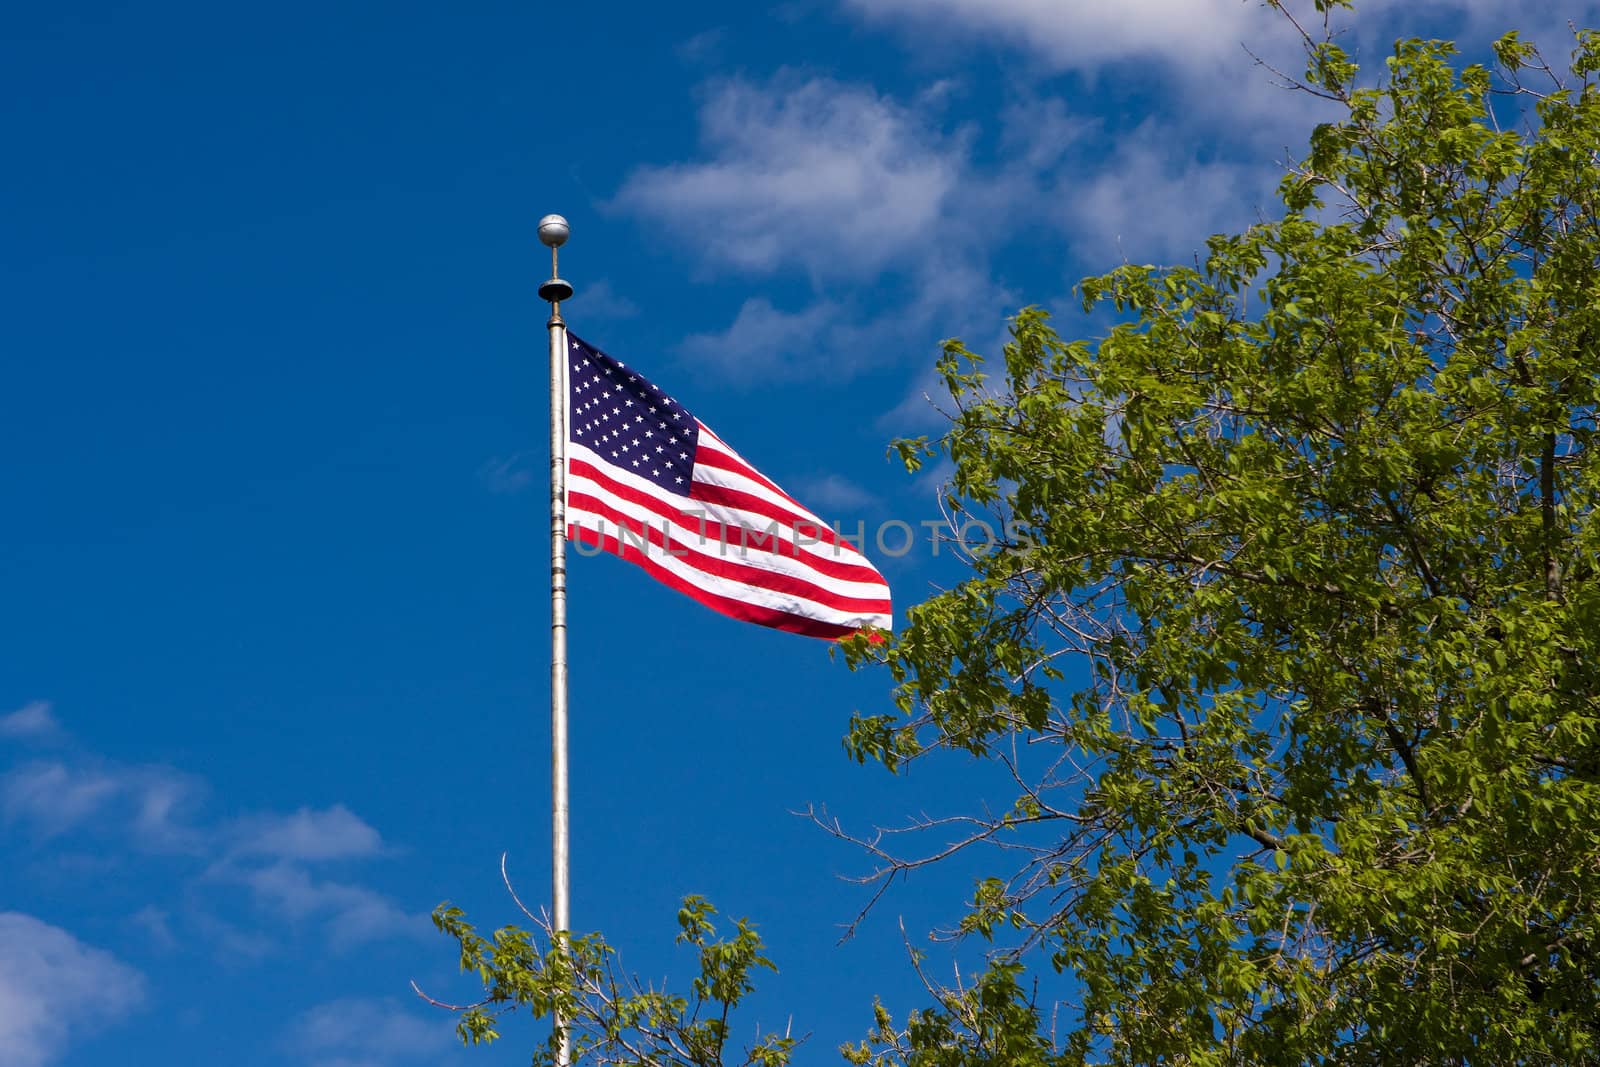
{"points": [[649, 482]]}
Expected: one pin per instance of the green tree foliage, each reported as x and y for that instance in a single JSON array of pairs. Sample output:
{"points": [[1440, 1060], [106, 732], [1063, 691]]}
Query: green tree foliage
{"points": [[1303, 585], [1292, 647], [613, 1019]]}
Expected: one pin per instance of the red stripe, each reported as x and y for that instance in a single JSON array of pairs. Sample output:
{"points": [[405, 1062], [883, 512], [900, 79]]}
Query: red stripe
{"points": [[738, 498], [738, 609], [732, 570], [722, 533], [712, 456]]}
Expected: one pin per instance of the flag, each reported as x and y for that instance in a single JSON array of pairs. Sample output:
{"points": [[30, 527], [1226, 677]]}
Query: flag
{"points": [[649, 482]]}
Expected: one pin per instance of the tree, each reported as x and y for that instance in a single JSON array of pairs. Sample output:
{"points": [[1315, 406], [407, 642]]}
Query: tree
{"points": [[1292, 645], [613, 1019]]}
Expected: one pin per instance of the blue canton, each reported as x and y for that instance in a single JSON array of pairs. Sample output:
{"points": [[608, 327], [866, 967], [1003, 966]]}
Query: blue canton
{"points": [[627, 421]]}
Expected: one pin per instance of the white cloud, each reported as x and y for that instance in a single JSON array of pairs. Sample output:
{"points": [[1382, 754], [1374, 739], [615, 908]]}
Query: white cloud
{"points": [[146, 802], [833, 493], [155, 924], [31, 722], [922, 407], [833, 178], [350, 914], [950, 294], [358, 1032], [848, 186], [233, 944], [767, 342], [509, 474], [1036, 132], [600, 300], [705, 47], [1149, 203], [1476, 21], [161, 797], [53, 986], [1204, 46], [52, 797], [1199, 36], [1069, 34], [308, 834], [932, 482], [155, 810]]}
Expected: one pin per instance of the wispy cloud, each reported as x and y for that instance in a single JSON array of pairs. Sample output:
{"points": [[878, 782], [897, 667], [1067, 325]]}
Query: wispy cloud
{"points": [[1147, 203], [846, 185], [832, 178], [1205, 50], [704, 47], [948, 294], [600, 300], [362, 1032], [508, 474], [347, 913], [1545, 22], [831, 495], [53, 987], [307, 834], [155, 924], [52, 798], [919, 409], [1068, 35], [147, 803], [235, 945], [764, 342], [272, 859], [31, 722]]}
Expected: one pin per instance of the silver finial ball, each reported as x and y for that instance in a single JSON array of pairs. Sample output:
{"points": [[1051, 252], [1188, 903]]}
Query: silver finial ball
{"points": [[553, 230]]}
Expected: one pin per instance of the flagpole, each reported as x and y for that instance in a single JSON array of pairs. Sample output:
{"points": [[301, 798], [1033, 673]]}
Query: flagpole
{"points": [[553, 231]]}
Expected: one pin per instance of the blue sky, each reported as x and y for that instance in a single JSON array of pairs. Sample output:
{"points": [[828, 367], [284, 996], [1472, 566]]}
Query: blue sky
{"points": [[273, 660]]}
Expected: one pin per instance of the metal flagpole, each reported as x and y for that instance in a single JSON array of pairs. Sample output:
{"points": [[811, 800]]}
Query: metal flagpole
{"points": [[553, 231]]}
